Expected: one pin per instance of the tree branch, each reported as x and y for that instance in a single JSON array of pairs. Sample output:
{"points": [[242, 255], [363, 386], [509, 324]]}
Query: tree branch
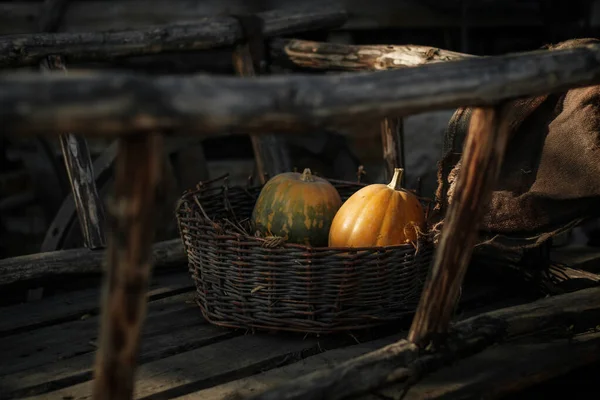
{"points": [[138, 173], [333, 56], [114, 104], [207, 33]]}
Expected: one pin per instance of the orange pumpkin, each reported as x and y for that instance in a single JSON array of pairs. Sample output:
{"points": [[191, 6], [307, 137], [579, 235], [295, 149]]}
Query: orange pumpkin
{"points": [[378, 215], [299, 207]]}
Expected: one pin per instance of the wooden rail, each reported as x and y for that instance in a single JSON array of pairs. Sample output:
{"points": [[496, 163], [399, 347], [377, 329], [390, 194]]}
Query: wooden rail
{"points": [[206, 33], [125, 104]]}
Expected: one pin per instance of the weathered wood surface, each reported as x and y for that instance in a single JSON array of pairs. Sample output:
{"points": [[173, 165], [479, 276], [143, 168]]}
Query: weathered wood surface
{"points": [[392, 140], [403, 359], [484, 149], [50, 344], [505, 369], [111, 104], [78, 163], [182, 355], [247, 386], [59, 264], [205, 33], [335, 56], [138, 185], [19, 17], [79, 304], [270, 150]]}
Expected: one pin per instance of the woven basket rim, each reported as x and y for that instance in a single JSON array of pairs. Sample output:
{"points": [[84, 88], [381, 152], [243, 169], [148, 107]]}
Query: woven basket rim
{"points": [[229, 234]]}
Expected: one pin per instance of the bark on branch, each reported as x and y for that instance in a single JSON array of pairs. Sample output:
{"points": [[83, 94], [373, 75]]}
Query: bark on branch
{"points": [[483, 154], [333, 56], [113, 104], [207, 33], [138, 173]]}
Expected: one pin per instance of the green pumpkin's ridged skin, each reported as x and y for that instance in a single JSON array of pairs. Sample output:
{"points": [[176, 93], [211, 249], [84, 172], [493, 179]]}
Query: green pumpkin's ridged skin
{"points": [[300, 211]]}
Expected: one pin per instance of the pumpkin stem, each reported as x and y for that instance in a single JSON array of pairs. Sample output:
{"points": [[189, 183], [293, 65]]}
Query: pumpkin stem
{"points": [[395, 183], [307, 175]]}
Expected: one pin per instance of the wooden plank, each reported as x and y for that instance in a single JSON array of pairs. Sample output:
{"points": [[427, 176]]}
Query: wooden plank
{"points": [[63, 263], [111, 104], [244, 387], [205, 33], [403, 359], [207, 366], [63, 341], [505, 369], [74, 305], [189, 331]]}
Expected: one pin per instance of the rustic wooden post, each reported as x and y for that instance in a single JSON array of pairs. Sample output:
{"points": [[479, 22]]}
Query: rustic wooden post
{"points": [[138, 170], [270, 150], [78, 162], [392, 141], [484, 151]]}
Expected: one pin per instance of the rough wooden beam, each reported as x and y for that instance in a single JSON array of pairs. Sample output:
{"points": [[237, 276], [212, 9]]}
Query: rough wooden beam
{"points": [[113, 104], [334, 56], [137, 187], [270, 151], [57, 264], [206, 33], [483, 154], [563, 315]]}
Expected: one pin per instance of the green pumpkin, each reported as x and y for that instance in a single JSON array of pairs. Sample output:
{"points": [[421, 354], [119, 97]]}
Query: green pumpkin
{"points": [[298, 207]]}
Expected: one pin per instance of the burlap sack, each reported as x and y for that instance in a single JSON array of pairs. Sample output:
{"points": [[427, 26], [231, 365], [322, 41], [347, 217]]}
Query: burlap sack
{"points": [[550, 179]]}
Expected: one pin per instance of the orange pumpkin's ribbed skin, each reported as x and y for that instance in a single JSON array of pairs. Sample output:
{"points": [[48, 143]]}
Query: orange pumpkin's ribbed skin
{"points": [[377, 215]]}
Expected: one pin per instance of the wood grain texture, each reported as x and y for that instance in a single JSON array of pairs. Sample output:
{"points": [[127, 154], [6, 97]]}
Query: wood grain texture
{"points": [[78, 163], [247, 386], [138, 174], [112, 104], [18, 17], [204, 33], [79, 304], [392, 140], [403, 360], [483, 154], [270, 151], [44, 346], [64, 263], [176, 327], [206, 366], [505, 369], [334, 56]]}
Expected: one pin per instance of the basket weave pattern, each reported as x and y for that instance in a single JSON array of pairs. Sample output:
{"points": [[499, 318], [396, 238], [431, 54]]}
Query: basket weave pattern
{"points": [[244, 281]]}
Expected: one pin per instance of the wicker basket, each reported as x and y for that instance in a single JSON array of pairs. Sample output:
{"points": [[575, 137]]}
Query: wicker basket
{"points": [[249, 282]]}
